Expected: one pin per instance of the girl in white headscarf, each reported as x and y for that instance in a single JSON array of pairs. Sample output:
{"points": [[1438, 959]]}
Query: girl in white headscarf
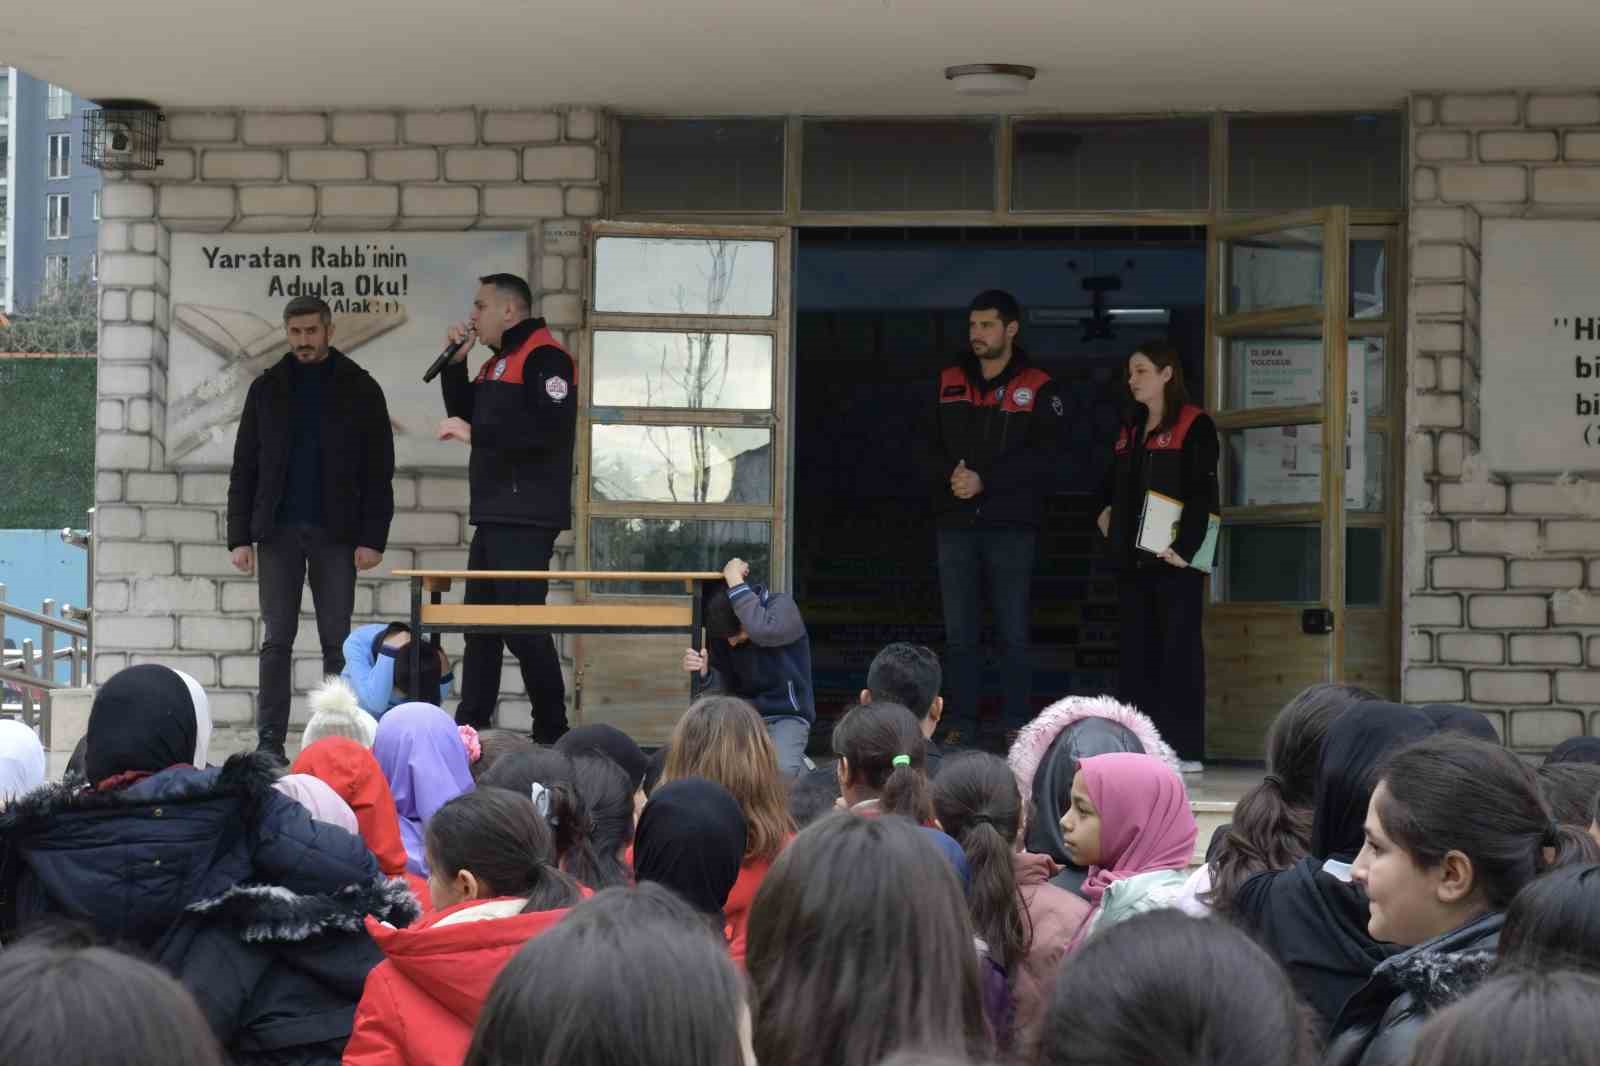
{"points": [[22, 760]]}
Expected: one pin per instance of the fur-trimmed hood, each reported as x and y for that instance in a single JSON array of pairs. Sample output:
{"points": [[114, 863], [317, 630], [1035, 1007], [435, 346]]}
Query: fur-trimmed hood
{"points": [[1035, 739], [262, 914], [246, 776]]}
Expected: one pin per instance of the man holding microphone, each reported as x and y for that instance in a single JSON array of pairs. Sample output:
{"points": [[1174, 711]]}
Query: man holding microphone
{"points": [[519, 416]]}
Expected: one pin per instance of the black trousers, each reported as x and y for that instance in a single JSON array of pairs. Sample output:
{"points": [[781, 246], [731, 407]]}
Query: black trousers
{"points": [[282, 566], [512, 548], [1163, 660]]}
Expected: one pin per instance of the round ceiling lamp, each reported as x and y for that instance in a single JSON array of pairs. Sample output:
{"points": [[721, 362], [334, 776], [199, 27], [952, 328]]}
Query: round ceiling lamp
{"points": [[990, 79]]}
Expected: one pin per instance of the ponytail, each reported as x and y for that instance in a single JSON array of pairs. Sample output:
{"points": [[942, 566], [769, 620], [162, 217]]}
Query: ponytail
{"points": [[977, 801], [888, 756], [496, 836], [565, 813], [1266, 833], [607, 795]]}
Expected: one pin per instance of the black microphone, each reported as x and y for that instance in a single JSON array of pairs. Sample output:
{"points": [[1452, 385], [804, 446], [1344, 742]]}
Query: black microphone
{"points": [[444, 357]]}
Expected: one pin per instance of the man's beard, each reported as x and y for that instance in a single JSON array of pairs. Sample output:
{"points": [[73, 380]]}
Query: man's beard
{"points": [[986, 352]]}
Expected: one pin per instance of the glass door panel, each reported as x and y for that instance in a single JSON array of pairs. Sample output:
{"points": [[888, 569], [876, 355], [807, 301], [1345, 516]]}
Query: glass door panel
{"points": [[1273, 269]]}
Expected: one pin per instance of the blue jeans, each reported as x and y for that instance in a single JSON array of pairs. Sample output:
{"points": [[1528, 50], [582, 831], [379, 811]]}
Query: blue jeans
{"points": [[789, 735], [1003, 559]]}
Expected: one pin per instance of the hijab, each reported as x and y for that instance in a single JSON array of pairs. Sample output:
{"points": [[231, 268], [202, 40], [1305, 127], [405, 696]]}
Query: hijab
{"points": [[143, 720], [202, 719], [1358, 740], [1449, 718], [353, 773], [691, 838], [22, 760], [1145, 820], [421, 754], [320, 800], [1575, 749], [607, 740]]}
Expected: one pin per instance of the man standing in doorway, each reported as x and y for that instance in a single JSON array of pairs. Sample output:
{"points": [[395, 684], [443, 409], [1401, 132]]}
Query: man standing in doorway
{"points": [[992, 458], [520, 417], [311, 493]]}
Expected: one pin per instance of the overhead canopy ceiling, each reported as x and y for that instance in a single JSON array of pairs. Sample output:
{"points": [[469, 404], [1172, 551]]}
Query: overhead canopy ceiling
{"points": [[810, 56]]}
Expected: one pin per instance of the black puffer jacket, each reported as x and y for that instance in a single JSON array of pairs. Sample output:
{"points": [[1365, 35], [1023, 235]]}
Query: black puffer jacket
{"points": [[1379, 1025], [227, 883]]}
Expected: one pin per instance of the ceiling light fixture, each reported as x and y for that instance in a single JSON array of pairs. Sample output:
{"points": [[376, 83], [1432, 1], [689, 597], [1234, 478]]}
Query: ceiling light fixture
{"points": [[990, 79]]}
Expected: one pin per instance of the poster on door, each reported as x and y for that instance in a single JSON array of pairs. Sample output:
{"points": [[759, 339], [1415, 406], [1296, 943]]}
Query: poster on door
{"points": [[1283, 464]]}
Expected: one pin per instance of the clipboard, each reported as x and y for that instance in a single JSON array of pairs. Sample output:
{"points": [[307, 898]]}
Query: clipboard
{"points": [[1158, 528]]}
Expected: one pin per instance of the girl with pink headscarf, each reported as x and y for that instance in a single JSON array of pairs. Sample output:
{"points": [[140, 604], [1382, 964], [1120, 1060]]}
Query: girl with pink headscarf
{"points": [[1131, 825]]}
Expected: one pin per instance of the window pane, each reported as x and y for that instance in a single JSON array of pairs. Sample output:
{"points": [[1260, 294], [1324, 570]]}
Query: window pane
{"points": [[1112, 166], [673, 545], [1272, 371], [1269, 564], [1276, 465], [1289, 161], [1363, 566], [1369, 278], [1375, 473], [684, 464], [702, 165], [1368, 360], [683, 276], [898, 166], [726, 371], [1282, 269]]}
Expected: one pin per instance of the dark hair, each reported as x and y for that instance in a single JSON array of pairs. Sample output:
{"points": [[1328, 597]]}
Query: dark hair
{"points": [[512, 286], [997, 300], [721, 620], [1451, 792], [1271, 827], [978, 804], [1160, 986], [68, 1005], [907, 674], [497, 835], [1569, 790], [813, 794], [632, 975], [722, 739], [653, 771], [568, 818], [308, 305], [859, 944], [1554, 923], [425, 687], [871, 736], [496, 744], [1164, 354], [1521, 1018], [608, 794]]}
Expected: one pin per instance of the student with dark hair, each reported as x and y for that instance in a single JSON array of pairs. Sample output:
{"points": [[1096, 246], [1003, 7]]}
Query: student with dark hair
{"points": [[1025, 923], [608, 793], [310, 494], [910, 675], [71, 1005], [378, 668], [723, 739], [860, 945], [691, 839], [550, 781], [994, 444], [1454, 831], [1454, 718], [1311, 916], [1271, 826], [1045, 759], [1554, 923], [1525, 1018], [757, 649], [495, 885], [653, 771], [814, 794], [1167, 446], [1575, 749], [1569, 789], [519, 417], [631, 976], [883, 762], [1167, 988], [496, 744], [601, 738]]}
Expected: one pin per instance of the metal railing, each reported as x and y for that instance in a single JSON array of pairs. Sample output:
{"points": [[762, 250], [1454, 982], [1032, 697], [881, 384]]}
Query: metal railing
{"points": [[28, 673]]}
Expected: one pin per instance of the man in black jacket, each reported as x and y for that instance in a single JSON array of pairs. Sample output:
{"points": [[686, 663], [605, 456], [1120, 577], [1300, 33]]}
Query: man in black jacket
{"points": [[992, 459], [520, 417], [312, 489]]}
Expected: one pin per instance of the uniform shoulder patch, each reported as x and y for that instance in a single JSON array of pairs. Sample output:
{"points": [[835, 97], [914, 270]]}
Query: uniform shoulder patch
{"points": [[1057, 406], [555, 388]]}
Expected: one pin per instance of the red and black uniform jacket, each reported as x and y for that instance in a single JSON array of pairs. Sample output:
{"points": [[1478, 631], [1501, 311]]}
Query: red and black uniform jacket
{"points": [[1008, 431], [1180, 463], [523, 406]]}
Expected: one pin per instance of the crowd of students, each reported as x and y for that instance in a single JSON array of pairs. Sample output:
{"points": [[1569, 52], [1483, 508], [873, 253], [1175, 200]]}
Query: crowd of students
{"points": [[1398, 889]]}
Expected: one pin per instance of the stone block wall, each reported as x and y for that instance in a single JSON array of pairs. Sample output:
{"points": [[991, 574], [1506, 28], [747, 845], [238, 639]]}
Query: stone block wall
{"points": [[165, 590], [1503, 605]]}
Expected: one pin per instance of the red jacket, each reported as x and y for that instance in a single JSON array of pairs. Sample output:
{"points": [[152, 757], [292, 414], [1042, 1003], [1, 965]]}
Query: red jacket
{"points": [[420, 1005], [741, 896]]}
